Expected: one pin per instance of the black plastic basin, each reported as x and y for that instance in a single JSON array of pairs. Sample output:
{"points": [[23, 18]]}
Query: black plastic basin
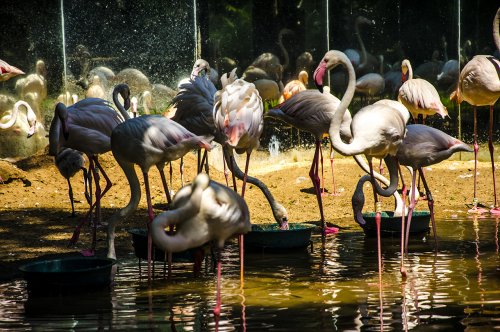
{"points": [[270, 236]]}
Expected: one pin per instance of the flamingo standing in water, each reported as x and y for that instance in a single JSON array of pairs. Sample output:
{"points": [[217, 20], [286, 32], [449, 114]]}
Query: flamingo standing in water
{"points": [[424, 146], [377, 132], [86, 126], [418, 95], [194, 110], [312, 111], [479, 85], [202, 212], [7, 71], [238, 115], [146, 141]]}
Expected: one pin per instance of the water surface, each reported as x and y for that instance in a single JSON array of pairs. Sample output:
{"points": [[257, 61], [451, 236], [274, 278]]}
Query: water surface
{"points": [[333, 287]]}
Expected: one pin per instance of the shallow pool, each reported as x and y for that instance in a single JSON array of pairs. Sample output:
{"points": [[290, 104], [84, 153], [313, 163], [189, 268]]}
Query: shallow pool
{"points": [[333, 287]]}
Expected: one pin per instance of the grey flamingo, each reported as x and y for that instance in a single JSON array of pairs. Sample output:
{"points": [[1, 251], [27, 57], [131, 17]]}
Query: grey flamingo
{"points": [[312, 111], [146, 141], [86, 126]]}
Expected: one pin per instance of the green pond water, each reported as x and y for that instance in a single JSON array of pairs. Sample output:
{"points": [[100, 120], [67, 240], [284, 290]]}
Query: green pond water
{"points": [[332, 287]]}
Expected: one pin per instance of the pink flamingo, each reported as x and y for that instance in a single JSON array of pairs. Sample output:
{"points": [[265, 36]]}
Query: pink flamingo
{"points": [[7, 71], [479, 85], [377, 132], [202, 212], [238, 115]]}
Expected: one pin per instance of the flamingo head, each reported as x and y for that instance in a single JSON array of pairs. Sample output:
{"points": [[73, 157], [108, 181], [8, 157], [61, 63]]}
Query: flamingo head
{"points": [[200, 68], [330, 60], [125, 93], [31, 118], [405, 70], [133, 102]]}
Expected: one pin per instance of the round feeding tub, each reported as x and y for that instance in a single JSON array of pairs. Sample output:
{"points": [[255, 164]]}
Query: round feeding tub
{"points": [[391, 226], [140, 244], [270, 236], [72, 273]]}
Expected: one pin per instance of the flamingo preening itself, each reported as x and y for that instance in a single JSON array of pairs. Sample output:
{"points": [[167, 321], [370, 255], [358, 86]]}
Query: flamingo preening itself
{"points": [[30, 117], [203, 211]]}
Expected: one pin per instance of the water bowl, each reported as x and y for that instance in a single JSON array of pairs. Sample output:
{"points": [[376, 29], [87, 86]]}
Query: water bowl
{"points": [[72, 274], [391, 226], [270, 236], [140, 244]]}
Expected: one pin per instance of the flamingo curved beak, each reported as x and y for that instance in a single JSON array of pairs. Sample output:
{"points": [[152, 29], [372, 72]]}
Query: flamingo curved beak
{"points": [[318, 75]]}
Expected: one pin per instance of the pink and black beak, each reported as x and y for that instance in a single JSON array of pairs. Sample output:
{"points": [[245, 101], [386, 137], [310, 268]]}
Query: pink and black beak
{"points": [[319, 74]]}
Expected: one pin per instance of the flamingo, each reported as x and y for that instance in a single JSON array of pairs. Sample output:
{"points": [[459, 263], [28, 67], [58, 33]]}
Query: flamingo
{"points": [[146, 141], [69, 162], [30, 117], [7, 71], [418, 95], [86, 126], [35, 83], [202, 212], [295, 86], [194, 103], [238, 115], [421, 147], [479, 85], [377, 132], [312, 111]]}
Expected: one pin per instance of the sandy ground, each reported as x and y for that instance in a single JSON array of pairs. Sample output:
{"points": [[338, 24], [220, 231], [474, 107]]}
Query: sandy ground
{"points": [[35, 210]]}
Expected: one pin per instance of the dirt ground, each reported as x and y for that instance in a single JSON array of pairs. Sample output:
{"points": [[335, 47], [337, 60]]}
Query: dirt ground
{"points": [[35, 210]]}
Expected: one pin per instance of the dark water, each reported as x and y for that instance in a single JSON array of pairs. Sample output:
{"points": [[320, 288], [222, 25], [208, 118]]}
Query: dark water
{"points": [[334, 287]]}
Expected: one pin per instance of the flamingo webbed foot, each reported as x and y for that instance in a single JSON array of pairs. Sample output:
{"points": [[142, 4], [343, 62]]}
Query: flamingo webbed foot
{"points": [[330, 230], [477, 210], [495, 210]]}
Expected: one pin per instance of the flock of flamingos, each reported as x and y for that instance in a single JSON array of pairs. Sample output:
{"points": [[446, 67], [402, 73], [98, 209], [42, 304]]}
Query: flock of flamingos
{"points": [[233, 117]]}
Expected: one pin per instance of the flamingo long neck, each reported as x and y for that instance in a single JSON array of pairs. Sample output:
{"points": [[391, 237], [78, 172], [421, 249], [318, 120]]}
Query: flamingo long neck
{"points": [[346, 149], [358, 200], [399, 201], [275, 206], [120, 107], [364, 56], [13, 118], [135, 197], [286, 61], [54, 132], [184, 213], [410, 71], [496, 32], [392, 166]]}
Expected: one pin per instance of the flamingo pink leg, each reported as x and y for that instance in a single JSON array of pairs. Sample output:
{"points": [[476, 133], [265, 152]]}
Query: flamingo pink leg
{"points": [[411, 208], [378, 220], [475, 209], [313, 174], [150, 217], [496, 209], [430, 203], [218, 296]]}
